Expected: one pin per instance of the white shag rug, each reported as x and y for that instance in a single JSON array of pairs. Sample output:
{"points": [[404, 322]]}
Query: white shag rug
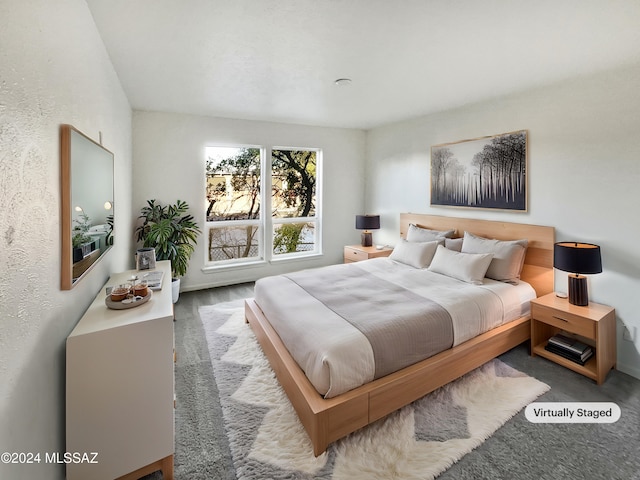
{"points": [[419, 441]]}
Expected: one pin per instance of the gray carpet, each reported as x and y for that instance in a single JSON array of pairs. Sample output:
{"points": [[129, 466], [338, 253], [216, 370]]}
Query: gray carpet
{"points": [[518, 450]]}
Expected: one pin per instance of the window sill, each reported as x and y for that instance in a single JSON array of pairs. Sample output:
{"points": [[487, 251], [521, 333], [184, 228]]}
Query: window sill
{"points": [[259, 263], [233, 266], [295, 258]]}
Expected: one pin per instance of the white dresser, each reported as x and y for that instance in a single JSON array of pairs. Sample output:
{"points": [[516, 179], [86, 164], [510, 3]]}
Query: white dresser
{"points": [[120, 387]]}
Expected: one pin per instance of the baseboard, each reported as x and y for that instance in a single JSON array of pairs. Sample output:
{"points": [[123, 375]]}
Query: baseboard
{"points": [[634, 371]]}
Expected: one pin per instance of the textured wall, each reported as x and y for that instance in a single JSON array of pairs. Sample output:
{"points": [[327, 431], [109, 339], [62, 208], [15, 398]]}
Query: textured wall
{"points": [[53, 70]]}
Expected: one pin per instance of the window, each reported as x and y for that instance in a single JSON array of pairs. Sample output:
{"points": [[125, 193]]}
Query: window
{"points": [[237, 179], [294, 200], [233, 218]]}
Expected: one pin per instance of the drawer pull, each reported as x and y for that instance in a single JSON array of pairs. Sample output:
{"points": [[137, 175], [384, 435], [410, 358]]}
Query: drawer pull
{"points": [[560, 318]]}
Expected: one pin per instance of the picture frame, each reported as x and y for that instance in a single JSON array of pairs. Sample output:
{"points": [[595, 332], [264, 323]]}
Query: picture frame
{"points": [[145, 259], [487, 172]]}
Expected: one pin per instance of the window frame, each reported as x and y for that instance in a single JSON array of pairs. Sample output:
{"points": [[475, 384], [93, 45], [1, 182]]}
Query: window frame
{"points": [[265, 222], [317, 218]]}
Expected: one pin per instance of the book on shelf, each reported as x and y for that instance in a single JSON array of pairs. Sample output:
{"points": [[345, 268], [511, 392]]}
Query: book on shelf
{"points": [[581, 358], [568, 343]]}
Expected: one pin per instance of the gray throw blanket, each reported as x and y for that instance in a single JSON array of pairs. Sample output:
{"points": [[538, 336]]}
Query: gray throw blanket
{"points": [[401, 326]]}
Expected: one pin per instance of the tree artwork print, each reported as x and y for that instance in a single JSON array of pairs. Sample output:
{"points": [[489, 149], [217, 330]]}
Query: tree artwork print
{"points": [[488, 172]]}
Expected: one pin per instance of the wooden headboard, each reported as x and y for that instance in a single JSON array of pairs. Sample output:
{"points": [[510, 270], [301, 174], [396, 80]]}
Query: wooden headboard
{"points": [[538, 262]]}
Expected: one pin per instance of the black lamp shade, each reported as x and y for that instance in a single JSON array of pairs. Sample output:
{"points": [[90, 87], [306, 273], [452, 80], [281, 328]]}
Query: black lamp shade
{"points": [[575, 257], [367, 222]]}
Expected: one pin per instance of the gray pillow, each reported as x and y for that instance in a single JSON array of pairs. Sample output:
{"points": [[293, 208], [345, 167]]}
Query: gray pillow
{"points": [[508, 256], [454, 244], [419, 234]]}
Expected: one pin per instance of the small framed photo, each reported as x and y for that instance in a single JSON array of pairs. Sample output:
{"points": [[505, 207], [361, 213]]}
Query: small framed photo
{"points": [[146, 259]]}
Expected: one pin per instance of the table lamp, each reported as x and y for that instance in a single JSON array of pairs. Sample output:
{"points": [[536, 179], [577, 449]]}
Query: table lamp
{"points": [[366, 223], [578, 259]]}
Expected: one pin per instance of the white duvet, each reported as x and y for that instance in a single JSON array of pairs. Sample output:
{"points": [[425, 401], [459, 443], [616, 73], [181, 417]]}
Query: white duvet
{"points": [[337, 357]]}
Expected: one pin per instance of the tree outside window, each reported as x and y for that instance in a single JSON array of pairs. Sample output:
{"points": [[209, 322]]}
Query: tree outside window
{"points": [[234, 217], [293, 193]]}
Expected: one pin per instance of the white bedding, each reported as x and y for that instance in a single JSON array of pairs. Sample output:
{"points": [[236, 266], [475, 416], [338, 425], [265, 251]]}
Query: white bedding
{"points": [[337, 357]]}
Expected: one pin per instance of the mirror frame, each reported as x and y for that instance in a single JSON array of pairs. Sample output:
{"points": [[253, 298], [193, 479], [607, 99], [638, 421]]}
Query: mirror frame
{"points": [[67, 281]]}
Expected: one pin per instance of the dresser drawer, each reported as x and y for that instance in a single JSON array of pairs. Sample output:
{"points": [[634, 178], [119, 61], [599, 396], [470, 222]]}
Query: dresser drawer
{"points": [[564, 320]]}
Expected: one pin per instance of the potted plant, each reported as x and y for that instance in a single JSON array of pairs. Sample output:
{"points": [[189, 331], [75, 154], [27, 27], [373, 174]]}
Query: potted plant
{"points": [[173, 233], [81, 241]]}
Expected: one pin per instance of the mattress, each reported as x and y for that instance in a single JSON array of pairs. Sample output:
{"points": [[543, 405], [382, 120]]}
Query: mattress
{"points": [[332, 350]]}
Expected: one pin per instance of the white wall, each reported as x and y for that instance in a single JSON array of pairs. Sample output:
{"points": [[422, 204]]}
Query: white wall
{"points": [[583, 177], [169, 153], [584, 172], [53, 70]]}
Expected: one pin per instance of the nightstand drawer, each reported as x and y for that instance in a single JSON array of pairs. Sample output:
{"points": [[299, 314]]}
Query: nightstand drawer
{"points": [[357, 253], [353, 255], [565, 321]]}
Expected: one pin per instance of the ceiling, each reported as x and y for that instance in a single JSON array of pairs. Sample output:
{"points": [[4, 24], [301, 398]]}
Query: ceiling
{"points": [[277, 60]]}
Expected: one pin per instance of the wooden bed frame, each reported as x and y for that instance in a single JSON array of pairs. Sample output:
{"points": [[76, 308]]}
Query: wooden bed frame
{"points": [[327, 420]]}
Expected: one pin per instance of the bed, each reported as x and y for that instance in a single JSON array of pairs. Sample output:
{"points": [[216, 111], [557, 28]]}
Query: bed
{"points": [[334, 414]]}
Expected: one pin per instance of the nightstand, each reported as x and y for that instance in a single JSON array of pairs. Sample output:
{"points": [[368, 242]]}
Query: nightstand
{"points": [[357, 253], [593, 324]]}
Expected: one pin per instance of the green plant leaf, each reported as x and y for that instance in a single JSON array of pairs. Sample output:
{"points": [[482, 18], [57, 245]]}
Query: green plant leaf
{"points": [[171, 231]]}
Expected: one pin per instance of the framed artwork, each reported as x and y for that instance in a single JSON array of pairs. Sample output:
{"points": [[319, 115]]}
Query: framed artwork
{"points": [[488, 172], [146, 259]]}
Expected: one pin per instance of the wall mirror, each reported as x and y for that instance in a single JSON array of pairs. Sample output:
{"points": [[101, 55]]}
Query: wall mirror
{"points": [[86, 181]]}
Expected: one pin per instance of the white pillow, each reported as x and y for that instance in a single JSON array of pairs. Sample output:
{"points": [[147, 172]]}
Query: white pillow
{"points": [[415, 254], [419, 234], [468, 267], [508, 256]]}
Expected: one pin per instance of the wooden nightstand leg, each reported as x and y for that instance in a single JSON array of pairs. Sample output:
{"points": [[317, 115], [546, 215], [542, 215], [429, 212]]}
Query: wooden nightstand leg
{"points": [[164, 464], [167, 468]]}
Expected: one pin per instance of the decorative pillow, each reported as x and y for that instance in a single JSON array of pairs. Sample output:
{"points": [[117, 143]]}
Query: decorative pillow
{"points": [[454, 244], [508, 256], [415, 254], [468, 267], [419, 234]]}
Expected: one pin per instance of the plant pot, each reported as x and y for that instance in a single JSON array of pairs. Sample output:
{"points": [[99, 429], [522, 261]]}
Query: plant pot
{"points": [[175, 289], [83, 250]]}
